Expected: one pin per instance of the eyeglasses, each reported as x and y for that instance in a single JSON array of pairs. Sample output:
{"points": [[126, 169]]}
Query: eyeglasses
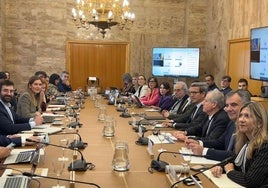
{"points": [[177, 89], [194, 92], [152, 81]]}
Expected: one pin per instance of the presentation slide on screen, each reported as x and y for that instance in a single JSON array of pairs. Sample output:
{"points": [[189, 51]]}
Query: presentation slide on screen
{"points": [[259, 54], [176, 62]]}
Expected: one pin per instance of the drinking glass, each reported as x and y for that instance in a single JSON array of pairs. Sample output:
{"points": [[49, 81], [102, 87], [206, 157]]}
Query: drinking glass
{"points": [[134, 120], [108, 128], [161, 138], [186, 165], [64, 143], [58, 167]]}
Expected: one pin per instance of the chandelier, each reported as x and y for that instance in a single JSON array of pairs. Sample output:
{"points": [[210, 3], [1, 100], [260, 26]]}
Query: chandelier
{"points": [[103, 14]]}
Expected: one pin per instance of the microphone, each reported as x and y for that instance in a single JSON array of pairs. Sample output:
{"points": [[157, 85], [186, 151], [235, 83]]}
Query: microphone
{"points": [[76, 123], [28, 174], [77, 165], [221, 163], [79, 144], [142, 140]]}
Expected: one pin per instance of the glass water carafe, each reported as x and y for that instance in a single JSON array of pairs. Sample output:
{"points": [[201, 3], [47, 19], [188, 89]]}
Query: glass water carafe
{"points": [[120, 160]]}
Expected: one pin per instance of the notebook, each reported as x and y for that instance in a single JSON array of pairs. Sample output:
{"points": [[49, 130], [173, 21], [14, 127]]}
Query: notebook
{"points": [[47, 130], [19, 156]]}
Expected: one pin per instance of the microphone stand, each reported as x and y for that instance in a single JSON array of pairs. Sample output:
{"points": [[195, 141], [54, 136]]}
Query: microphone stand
{"points": [[179, 153], [28, 174], [205, 169], [76, 120], [79, 144], [78, 165]]}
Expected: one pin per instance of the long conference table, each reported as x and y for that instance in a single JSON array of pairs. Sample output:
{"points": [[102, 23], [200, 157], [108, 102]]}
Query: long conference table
{"points": [[100, 152]]}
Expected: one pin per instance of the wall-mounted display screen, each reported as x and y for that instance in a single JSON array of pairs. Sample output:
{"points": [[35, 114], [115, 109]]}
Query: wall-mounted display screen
{"points": [[175, 62], [259, 53]]}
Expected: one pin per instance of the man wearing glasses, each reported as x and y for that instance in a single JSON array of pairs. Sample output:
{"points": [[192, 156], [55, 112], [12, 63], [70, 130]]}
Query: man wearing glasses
{"points": [[225, 84], [181, 100], [194, 114]]}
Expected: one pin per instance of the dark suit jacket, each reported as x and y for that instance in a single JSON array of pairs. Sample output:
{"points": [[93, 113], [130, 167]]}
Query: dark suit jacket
{"points": [[181, 104], [4, 141], [218, 147], [184, 116], [212, 87], [218, 124], [226, 90], [187, 121], [63, 87], [7, 127]]}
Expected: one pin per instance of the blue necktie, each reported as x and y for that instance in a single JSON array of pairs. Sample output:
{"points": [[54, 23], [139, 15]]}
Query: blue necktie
{"points": [[231, 143]]}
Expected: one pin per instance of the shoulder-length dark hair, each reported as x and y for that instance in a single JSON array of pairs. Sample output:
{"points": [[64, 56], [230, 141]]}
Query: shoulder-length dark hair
{"points": [[53, 78], [167, 87]]}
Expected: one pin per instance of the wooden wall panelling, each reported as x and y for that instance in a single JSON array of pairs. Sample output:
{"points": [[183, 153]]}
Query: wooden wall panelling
{"points": [[238, 64], [108, 61]]}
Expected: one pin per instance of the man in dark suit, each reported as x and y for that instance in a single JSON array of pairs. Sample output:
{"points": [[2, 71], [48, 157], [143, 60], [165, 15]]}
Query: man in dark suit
{"points": [[221, 148], [211, 82], [194, 114], [180, 101], [17, 140], [225, 84], [213, 126], [64, 84], [11, 123]]}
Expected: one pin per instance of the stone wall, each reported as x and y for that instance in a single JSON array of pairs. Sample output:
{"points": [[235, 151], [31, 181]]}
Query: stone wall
{"points": [[34, 33], [231, 19]]}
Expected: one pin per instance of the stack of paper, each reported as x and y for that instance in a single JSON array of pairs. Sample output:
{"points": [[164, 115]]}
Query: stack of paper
{"points": [[223, 181], [194, 159]]}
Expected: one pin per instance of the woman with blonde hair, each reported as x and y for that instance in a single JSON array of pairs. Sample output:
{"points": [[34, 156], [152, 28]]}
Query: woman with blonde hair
{"points": [[30, 101], [250, 167]]}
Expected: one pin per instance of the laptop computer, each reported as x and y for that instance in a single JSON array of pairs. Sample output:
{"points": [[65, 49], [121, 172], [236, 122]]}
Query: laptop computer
{"points": [[17, 181], [19, 156], [157, 117], [20, 181], [138, 102]]}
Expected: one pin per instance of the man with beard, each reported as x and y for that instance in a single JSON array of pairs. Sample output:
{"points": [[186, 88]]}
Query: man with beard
{"points": [[11, 123]]}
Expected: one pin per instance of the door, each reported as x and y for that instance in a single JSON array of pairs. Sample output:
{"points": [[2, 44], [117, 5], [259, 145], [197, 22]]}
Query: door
{"points": [[239, 64], [107, 61]]}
